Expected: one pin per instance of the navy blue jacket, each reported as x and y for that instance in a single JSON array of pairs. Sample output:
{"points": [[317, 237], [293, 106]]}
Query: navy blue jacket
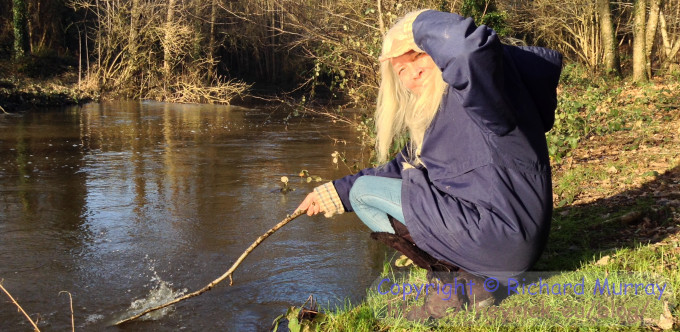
{"points": [[483, 201]]}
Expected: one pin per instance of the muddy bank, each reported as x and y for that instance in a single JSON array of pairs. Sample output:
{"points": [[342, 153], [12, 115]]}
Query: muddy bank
{"points": [[18, 98], [34, 84]]}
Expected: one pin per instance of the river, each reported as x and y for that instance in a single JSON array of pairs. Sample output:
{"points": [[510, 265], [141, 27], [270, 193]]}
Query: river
{"points": [[122, 203]]}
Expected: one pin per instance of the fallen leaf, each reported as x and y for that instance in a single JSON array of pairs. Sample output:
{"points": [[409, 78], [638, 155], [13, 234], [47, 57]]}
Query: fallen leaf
{"points": [[665, 319], [603, 261], [403, 261]]}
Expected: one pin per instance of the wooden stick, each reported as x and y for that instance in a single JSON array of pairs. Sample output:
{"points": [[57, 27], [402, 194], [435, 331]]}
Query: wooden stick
{"points": [[225, 275], [70, 300], [20, 308]]}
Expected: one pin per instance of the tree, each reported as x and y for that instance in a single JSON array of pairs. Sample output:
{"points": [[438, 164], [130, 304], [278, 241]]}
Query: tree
{"points": [[570, 27], [639, 41], [650, 34], [608, 36], [22, 44], [134, 30], [485, 12], [168, 39], [670, 34], [211, 42]]}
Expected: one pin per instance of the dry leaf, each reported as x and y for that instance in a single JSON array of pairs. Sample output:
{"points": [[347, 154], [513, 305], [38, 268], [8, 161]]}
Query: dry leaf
{"points": [[665, 319], [603, 261], [403, 261]]}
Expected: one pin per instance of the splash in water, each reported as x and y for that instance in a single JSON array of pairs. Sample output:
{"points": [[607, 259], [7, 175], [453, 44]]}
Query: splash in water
{"points": [[161, 294]]}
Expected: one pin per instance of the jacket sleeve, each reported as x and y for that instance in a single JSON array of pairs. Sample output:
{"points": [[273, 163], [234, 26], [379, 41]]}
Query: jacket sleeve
{"points": [[471, 61], [392, 169]]}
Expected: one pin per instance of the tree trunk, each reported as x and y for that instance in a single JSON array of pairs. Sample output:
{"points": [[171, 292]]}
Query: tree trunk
{"points": [[611, 53], [134, 28], [380, 18], [211, 46], [22, 46], [168, 39], [652, 24], [639, 63], [671, 46]]}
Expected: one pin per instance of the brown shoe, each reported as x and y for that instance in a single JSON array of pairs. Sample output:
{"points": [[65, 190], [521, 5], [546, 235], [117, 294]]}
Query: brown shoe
{"points": [[443, 295], [476, 296], [451, 292], [451, 288]]}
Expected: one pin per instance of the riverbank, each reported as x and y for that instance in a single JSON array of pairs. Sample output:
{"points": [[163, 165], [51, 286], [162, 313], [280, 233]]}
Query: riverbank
{"points": [[616, 178], [39, 82]]}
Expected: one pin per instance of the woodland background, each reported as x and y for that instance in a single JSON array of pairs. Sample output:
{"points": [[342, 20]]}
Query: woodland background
{"points": [[211, 50]]}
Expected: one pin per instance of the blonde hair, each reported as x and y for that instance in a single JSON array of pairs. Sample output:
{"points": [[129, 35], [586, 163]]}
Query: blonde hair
{"points": [[399, 111]]}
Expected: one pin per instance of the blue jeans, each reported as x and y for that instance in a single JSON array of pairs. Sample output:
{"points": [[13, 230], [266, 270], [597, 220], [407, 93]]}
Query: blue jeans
{"points": [[373, 198]]}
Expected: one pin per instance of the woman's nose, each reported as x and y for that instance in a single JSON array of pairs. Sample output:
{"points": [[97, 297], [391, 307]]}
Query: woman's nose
{"points": [[416, 72]]}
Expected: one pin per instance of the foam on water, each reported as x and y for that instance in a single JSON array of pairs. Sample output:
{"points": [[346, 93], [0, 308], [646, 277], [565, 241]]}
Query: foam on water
{"points": [[161, 293], [93, 318]]}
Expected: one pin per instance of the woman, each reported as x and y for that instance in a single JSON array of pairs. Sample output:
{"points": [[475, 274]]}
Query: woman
{"points": [[471, 192]]}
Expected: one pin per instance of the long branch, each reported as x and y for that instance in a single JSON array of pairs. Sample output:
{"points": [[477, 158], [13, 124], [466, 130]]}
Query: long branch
{"points": [[226, 274]]}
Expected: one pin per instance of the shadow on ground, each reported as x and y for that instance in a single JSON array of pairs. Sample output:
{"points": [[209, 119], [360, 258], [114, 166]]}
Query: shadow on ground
{"points": [[645, 215]]}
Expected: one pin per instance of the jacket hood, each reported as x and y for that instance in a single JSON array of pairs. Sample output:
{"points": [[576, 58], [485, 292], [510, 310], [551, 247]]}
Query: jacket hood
{"points": [[539, 69]]}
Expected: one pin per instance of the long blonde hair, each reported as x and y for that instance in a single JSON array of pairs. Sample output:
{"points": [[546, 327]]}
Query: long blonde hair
{"points": [[399, 111]]}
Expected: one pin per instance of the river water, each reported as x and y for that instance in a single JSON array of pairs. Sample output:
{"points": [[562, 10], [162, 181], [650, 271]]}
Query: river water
{"points": [[118, 202]]}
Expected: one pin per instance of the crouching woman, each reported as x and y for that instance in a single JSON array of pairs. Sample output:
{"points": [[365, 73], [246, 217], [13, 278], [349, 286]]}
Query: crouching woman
{"points": [[470, 195]]}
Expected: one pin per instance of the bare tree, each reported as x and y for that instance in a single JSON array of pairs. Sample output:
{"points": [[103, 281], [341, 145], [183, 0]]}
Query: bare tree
{"points": [[650, 34], [670, 34], [608, 35], [170, 15], [153, 49], [22, 46], [211, 42], [571, 27], [134, 29], [639, 41]]}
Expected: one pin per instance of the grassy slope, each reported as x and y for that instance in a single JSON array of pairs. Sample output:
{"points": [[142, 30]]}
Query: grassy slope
{"points": [[616, 171]]}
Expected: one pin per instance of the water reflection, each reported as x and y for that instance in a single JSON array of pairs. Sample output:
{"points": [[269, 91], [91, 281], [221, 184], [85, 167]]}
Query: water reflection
{"points": [[107, 200]]}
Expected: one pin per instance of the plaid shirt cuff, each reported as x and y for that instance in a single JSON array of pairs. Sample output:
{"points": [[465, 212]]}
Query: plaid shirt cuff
{"points": [[330, 201]]}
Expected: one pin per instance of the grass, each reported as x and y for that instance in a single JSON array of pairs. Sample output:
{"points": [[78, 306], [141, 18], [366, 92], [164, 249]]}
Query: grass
{"points": [[615, 149]]}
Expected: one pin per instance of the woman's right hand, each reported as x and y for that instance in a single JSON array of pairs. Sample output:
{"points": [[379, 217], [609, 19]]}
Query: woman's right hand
{"points": [[311, 203]]}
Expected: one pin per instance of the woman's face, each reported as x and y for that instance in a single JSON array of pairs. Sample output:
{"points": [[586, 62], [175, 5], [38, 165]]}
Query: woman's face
{"points": [[414, 70]]}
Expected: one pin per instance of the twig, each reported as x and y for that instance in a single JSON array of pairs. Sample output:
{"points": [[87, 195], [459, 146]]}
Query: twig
{"points": [[70, 299], [20, 308], [225, 275], [3, 110]]}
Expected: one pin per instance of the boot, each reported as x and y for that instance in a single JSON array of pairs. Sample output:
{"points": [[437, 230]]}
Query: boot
{"points": [[452, 288], [475, 296], [443, 295], [452, 291]]}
